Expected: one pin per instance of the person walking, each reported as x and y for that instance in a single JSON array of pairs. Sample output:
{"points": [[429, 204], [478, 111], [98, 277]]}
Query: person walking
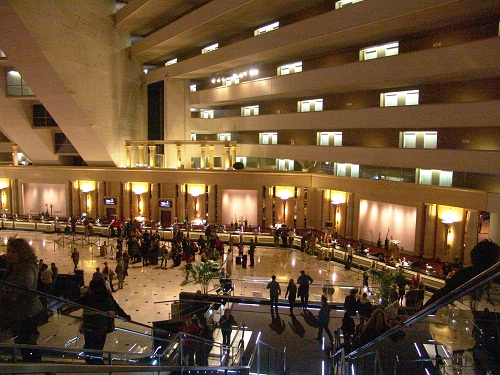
{"points": [[226, 323], [21, 308], [291, 293], [75, 257], [304, 281], [274, 292], [324, 319]]}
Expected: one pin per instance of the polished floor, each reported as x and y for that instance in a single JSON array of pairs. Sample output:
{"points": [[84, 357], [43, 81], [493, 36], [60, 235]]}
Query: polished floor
{"points": [[149, 292]]}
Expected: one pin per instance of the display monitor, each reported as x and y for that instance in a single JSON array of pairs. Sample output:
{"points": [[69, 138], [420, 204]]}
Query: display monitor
{"points": [[166, 203], [109, 201]]}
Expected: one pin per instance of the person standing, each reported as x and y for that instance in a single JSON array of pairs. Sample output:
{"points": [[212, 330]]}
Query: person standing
{"points": [[274, 292], [291, 293], [229, 262], [350, 303], [324, 319], [189, 346], [365, 308], [94, 324], [349, 254], [46, 279], [226, 324], [75, 257], [21, 308], [120, 274], [108, 275], [304, 281], [251, 253], [205, 347]]}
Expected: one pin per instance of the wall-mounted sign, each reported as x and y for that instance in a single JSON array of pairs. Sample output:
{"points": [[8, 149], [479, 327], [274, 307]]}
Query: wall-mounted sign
{"points": [[109, 201], [166, 203]]}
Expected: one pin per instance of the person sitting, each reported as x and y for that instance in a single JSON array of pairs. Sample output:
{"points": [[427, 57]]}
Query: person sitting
{"points": [[484, 255]]}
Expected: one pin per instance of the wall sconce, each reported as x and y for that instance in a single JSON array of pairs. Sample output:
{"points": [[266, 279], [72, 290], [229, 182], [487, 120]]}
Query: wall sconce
{"points": [[447, 230]]}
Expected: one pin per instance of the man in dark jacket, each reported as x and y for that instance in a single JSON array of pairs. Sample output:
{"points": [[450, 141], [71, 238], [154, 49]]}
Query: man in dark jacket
{"points": [[324, 319]]}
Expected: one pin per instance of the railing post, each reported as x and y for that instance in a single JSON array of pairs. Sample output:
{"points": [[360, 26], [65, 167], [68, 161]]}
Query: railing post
{"points": [[258, 358]]}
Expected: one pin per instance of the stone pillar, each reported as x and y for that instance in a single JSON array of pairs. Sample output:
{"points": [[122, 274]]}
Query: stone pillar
{"points": [[352, 216], [179, 155], [140, 149], [233, 154], [494, 227], [128, 151], [15, 150], [152, 152], [300, 208], [203, 150], [227, 157], [211, 157], [429, 243]]}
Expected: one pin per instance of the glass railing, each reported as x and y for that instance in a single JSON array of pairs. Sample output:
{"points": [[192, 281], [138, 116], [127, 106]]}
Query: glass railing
{"points": [[136, 346], [458, 334]]}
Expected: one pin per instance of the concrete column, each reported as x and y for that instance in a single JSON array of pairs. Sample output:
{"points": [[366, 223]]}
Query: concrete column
{"points": [[352, 216], [203, 150], [429, 243], [128, 151], [300, 207], [179, 156], [15, 150], [141, 155], [494, 227], [152, 152], [211, 157], [233, 154], [227, 157]]}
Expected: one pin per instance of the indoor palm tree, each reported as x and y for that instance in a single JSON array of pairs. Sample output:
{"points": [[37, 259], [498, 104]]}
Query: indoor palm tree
{"points": [[203, 272]]}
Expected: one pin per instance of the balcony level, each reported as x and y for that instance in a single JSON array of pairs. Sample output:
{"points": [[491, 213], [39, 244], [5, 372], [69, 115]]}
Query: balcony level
{"points": [[425, 116], [218, 19], [362, 23], [485, 162], [470, 61]]}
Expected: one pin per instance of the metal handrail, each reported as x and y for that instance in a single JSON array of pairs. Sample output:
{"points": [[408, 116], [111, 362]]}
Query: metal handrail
{"points": [[256, 355], [466, 288], [80, 306]]}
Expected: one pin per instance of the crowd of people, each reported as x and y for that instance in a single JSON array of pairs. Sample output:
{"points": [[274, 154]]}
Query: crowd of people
{"points": [[24, 270]]}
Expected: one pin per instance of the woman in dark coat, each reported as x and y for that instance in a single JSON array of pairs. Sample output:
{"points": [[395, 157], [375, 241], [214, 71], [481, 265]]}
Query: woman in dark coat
{"points": [[95, 325]]}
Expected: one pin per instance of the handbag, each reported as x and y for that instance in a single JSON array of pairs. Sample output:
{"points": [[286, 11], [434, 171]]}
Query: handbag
{"points": [[110, 324]]}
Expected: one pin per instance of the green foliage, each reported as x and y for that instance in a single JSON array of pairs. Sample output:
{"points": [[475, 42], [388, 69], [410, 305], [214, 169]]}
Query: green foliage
{"points": [[203, 272], [385, 279]]}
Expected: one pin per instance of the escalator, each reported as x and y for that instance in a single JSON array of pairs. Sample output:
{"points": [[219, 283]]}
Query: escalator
{"points": [[132, 347], [457, 334]]}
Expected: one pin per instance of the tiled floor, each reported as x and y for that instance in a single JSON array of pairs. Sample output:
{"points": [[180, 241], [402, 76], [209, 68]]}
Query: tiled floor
{"points": [[149, 292]]}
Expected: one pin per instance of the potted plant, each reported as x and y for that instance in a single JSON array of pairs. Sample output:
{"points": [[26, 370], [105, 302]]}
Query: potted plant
{"points": [[203, 272], [385, 280]]}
